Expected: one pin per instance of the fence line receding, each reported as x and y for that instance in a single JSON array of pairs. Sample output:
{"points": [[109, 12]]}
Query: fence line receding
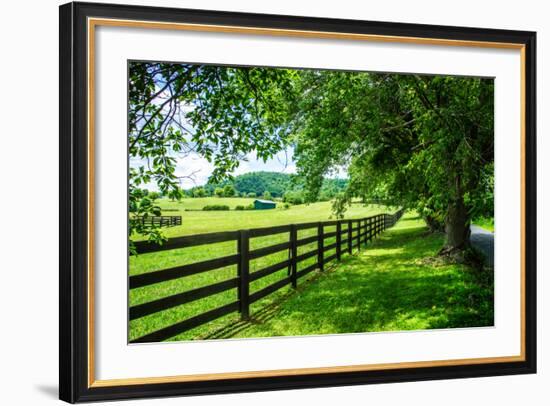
{"points": [[161, 221], [349, 234]]}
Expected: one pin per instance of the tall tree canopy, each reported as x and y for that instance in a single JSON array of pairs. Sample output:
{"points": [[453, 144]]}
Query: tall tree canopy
{"points": [[423, 142]]}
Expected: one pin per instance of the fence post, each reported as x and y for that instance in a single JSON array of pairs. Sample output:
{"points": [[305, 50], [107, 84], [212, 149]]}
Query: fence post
{"points": [[358, 235], [293, 255], [361, 227], [320, 246], [350, 240], [244, 272], [338, 240], [366, 227], [371, 229]]}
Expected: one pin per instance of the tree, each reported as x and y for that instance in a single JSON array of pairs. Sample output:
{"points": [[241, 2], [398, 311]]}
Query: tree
{"points": [[219, 113], [229, 191], [293, 197], [175, 194], [267, 195], [142, 207], [153, 195], [218, 192], [422, 142], [199, 192], [258, 182]]}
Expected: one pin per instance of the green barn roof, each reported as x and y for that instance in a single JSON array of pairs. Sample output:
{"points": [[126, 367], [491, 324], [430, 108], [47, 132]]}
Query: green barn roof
{"points": [[260, 204]]}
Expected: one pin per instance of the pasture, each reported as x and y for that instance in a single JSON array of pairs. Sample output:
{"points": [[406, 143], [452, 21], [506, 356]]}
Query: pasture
{"points": [[197, 222], [393, 285]]}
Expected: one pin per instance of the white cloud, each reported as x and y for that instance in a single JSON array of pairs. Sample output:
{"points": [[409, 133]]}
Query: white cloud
{"points": [[281, 162], [194, 170]]}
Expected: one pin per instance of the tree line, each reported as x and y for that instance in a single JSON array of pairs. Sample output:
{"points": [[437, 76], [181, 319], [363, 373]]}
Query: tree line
{"points": [[260, 184]]}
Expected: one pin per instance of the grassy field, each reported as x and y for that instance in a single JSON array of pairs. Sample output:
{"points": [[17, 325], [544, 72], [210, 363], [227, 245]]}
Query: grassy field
{"points": [[392, 285], [195, 222], [197, 203], [486, 223]]}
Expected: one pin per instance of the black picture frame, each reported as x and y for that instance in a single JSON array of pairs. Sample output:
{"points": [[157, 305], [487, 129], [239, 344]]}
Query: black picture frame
{"points": [[74, 385]]}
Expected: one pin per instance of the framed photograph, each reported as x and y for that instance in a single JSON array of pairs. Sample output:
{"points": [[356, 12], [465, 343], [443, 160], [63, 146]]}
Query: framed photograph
{"points": [[256, 202]]}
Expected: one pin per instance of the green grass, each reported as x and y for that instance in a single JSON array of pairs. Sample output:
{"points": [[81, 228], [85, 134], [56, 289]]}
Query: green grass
{"points": [[196, 222], [488, 223], [389, 286], [198, 203], [392, 285]]}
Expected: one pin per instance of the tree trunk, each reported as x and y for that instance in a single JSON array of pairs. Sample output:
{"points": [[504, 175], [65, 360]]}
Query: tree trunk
{"points": [[457, 227]]}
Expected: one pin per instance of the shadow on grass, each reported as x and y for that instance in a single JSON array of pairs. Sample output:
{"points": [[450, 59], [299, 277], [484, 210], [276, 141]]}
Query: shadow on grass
{"points": [[386, 287]]}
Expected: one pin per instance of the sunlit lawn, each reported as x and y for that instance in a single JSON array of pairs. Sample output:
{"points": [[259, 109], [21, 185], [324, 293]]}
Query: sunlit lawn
{"points": [[198, 221], [386, 287], [195, 222], [389, 286]]}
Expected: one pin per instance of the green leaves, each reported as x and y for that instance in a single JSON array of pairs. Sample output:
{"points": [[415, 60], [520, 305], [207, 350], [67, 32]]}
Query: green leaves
{"points": [[418, 141], [219, 113], [424, 142]]}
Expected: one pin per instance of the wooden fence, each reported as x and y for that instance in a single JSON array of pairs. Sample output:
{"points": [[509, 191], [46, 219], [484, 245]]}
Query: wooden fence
{"points": [[161, 221], [349, 234]]}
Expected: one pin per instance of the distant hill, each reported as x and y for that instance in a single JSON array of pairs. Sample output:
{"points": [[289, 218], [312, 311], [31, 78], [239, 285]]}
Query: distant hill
{"points": [[258, 182], [276, 183]]}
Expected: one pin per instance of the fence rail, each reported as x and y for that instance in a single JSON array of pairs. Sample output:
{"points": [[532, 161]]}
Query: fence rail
{"points": [[161, 221], [365, 230]]}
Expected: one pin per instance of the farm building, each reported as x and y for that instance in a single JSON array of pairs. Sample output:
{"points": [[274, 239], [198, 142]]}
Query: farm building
{"points": [[264, 204]]}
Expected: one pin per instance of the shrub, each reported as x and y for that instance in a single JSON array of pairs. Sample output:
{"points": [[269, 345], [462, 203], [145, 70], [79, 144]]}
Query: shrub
{"points": [[199, 192], [229, 191], [239, 207], [286, 206], [215, 207], [293, 198]]}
